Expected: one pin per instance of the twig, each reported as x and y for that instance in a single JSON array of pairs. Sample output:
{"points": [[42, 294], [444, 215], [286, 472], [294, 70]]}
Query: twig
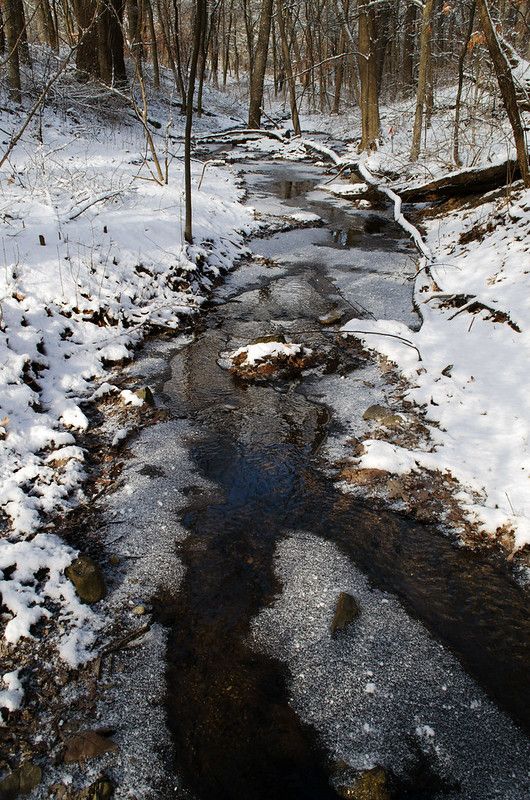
{"points": [[390, 335], [119, 644]]}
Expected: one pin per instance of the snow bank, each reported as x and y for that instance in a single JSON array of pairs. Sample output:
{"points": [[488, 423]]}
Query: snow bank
{"points": [[470, 371], [93, 255], [33, 583]]}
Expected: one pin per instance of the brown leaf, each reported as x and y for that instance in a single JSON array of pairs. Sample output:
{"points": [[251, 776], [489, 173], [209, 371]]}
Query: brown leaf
{"points": [[87, 744]]}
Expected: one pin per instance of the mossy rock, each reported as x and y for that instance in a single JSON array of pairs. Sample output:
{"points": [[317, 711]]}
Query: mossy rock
{"points": [[21, 781], [376, 413], [369, 785], [346, 611], [87, 578]]}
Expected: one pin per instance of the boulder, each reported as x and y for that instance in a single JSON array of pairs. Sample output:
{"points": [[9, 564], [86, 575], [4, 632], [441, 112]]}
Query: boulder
{"points": [[346, 611], [375, 413], [383, 416], [87, 578], [363, 476]]}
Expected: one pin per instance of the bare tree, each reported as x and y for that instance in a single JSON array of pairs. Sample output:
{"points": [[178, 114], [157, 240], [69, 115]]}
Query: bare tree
{"points": [[367, 59], [199, 28], [425, 57], [507, 87], [259, 65], [13, 28]]}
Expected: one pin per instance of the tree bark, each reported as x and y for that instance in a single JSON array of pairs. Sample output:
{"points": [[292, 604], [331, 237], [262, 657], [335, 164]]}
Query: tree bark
{"points": [[461, 62], [291, 83], [87, 61]]}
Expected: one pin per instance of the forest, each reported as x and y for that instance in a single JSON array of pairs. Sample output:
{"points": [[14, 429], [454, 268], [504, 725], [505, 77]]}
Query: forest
{"points": [[264, 399]]}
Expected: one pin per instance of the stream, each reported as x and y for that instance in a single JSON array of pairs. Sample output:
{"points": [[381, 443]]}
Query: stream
{"points": [[431, 681]]}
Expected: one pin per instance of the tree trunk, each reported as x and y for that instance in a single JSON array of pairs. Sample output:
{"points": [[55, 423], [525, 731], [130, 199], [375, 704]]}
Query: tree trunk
{"points": [[198, 34], [260, 64], [12, 28], [367, 60], [48, 32], [154, 48], [409, 46], [425, 55], [461, 62], [2, 33], [87, 61], [507, 87], [288, 68]]}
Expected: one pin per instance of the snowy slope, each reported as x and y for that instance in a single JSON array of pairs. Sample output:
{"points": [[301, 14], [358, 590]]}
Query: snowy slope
{"points": [[472, 379], [92, 258]]}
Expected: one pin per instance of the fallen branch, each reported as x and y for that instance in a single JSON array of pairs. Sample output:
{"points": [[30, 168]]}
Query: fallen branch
{"points": [[119, 644], [238, 132], [99, 199], [390, 335]]}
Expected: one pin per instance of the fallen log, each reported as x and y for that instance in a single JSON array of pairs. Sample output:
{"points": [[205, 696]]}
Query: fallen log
{"points": [[242, 133], [464, 182]]}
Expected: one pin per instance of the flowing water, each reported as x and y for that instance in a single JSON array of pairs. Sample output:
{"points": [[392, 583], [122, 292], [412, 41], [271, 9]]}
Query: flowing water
{"points": [[262, 703]]}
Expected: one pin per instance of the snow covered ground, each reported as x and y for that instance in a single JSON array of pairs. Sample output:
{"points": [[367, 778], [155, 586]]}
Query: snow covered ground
{"points": [[470, 377], [467, 366], [93, 257]]}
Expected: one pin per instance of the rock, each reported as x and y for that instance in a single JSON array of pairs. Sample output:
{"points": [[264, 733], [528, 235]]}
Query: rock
{"points": [[146, 395], [272, 337], [102, 789], [383, 415], [363, 477], [375, 413], [392, 421], [87, 578], [370, 785], [21, 781], [139, 611], [346, 611], [86, 745], [396, 490], [330, 319]]}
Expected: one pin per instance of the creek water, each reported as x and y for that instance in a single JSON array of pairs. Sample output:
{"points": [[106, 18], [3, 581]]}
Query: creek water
{"points": [[250, 620]]}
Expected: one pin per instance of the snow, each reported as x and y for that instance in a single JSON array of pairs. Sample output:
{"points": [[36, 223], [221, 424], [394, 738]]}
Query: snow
{"points": [[11, 697], [130, 398], [256, 353], [32, 581], [472, 377], [113, 266]]}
